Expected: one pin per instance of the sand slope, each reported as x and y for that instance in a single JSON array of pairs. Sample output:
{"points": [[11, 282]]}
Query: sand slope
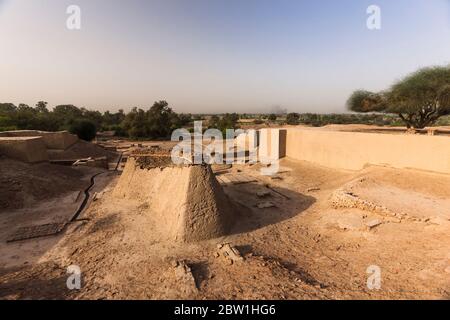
{"points": [[186, 203]]}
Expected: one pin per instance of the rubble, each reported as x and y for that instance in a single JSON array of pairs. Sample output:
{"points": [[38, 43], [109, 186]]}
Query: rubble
{"points": [[263, 193], [229, 252], [265, 205], [186, 280], [373, 223]]}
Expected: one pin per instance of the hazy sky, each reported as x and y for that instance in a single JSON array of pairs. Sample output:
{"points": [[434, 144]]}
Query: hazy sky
{"points": [[214, 56]]}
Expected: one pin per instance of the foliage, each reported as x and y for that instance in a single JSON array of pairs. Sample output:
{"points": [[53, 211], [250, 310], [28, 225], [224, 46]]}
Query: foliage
{"points": [[419, 99], [84, 129], [157, 122], [293, 118], [160, 120], [227, 121]]}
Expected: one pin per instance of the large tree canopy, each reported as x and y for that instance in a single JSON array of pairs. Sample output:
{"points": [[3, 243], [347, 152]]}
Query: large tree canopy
{"points": [[419, 99]]}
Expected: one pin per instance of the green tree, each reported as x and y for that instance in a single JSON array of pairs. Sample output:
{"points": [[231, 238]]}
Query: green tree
{"points": [[292, 118], [213, 122], [25, 117], [273, 117], [184, 119], [93, 116], [161, 120], [419, 99], [84, 129], [68, 110], [41, 107], [226, 121], [135, 123], [7, 108], [7, 112], [66, 115]]}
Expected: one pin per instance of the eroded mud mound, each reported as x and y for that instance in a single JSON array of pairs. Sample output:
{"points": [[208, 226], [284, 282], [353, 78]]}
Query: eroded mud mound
{"points": [[209, 211], [154, 161], [80, 150], [22, 184], [157, 157], [186, 203]]}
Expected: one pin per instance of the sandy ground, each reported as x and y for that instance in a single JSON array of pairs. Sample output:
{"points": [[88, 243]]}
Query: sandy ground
{"points": [[308, 245]]}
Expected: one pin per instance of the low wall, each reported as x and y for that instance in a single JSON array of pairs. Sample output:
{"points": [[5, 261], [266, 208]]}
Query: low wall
{"points": [[27, 149], [354, 150], [53, 140]]}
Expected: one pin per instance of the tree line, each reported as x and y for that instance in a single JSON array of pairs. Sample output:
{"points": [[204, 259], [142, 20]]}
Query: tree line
{"points": [[319, 120], [419, 100], [156, 122]]}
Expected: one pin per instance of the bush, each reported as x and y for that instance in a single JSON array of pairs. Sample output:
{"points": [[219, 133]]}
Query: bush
{"points": [[85, 130], [118, 131], [293, 118]]}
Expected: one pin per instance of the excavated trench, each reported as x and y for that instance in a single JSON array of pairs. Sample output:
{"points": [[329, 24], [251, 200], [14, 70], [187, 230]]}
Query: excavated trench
{"points": [[87, 194], [39, 231]]}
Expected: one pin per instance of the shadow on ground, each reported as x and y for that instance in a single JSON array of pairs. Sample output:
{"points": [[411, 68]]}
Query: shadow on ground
{"points": [[282, 204], [45, 280]]}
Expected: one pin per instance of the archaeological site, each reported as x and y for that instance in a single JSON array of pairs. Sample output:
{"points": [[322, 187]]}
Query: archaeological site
{"points": [[343, 201]]}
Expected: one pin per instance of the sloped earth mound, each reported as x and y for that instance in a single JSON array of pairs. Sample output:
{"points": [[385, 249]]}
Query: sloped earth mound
{"points": [[81, 150], [23, 185], [184, 202]]}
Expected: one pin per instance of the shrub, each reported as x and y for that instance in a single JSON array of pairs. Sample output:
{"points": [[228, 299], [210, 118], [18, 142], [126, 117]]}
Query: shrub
{"points": [[85, 130], [293, 118]]}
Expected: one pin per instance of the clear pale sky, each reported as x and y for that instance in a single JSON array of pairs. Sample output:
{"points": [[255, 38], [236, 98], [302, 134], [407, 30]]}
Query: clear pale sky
{"points": [[214, 55]]}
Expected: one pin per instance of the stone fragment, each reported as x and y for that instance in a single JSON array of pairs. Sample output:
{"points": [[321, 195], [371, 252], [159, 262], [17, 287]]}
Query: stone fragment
{"points": [[265, 204], [263, 193], [230, 253], [373, 223]]}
